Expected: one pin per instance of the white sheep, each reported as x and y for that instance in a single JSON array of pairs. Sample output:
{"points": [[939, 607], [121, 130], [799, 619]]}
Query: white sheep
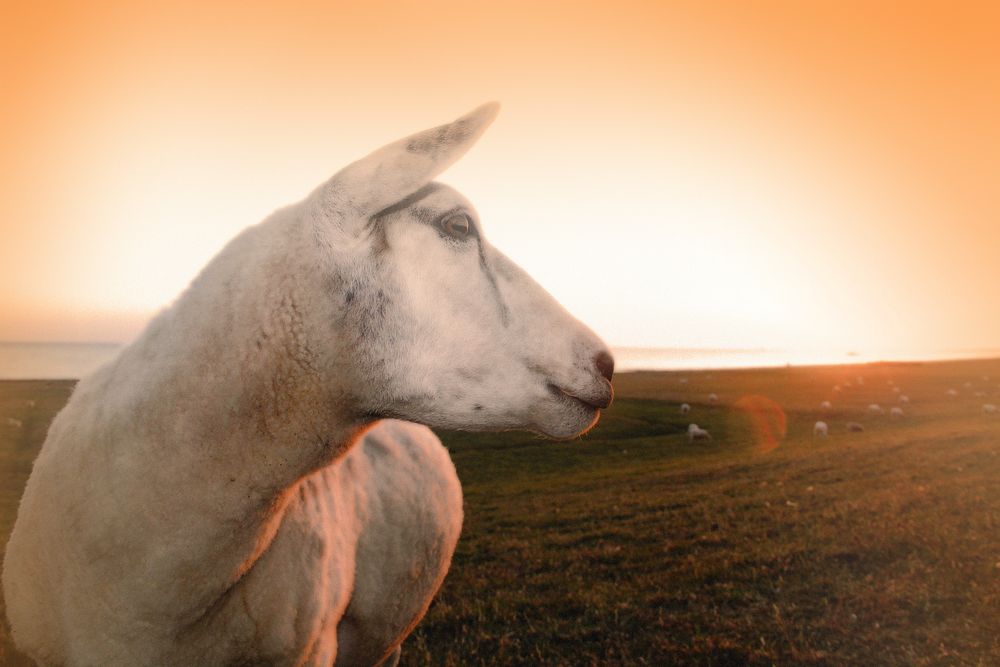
{"points": [[895, 411], [875, 409], [697, 433], [861, 381], [989, 409], [825, 405], [820, 429], [685, 408], [896, 390], [855, 427], [713, 398], [227, 491], [836, 388], [903, 398], [16, 423], [952, 393], [30, 402]]}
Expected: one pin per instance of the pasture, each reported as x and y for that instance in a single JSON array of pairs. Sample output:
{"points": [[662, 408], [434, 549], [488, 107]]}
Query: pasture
{"points": [[635, 546]]}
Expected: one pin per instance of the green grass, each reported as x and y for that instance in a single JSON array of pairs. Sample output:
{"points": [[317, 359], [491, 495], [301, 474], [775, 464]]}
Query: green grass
{"points": [[632, 546]]}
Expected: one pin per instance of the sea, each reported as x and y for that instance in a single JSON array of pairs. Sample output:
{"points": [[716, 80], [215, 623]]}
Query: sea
{"points": [[52, 361]]}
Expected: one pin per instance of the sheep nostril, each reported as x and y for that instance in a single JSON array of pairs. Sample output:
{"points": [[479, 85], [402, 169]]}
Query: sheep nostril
{"points": [[605, 364]]}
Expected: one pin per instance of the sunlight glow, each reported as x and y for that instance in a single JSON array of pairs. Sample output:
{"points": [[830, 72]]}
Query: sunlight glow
{"points": [[676, 177]]}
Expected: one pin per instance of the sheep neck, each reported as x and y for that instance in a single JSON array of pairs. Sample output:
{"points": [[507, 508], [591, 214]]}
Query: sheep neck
{"points": [[224, 408]]}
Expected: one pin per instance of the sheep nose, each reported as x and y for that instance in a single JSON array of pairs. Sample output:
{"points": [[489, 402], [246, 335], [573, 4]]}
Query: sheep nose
{"points": [[605, 364]]}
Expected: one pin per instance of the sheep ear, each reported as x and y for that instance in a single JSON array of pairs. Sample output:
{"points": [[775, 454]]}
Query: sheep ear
{"points": [[397, 170]]}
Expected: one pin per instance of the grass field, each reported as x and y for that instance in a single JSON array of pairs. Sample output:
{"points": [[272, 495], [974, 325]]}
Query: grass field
{"points": [[633, 546]]}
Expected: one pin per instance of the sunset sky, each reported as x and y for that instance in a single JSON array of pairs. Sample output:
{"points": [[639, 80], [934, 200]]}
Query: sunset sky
{"points": [[816, 175]]}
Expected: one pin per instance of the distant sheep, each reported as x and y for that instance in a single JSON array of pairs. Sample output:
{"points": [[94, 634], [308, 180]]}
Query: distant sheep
{"points": [[896, 411], [903, 398], [836, 388], [825, 405], [685, 408], [980, 394], [30, 402], [875, 409], [861, 381], [989, 409], [713, 398], [895, 390], [821, 429], [697, 433], [968, 385], [952, 393], [16, 423], [855, 427]]}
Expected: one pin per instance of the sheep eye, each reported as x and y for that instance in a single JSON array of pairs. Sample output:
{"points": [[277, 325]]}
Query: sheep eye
{"points": [[457, 226]]}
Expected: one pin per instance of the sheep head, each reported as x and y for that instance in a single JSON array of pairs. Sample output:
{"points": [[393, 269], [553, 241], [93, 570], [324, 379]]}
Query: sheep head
{"points": [[442, 328]]}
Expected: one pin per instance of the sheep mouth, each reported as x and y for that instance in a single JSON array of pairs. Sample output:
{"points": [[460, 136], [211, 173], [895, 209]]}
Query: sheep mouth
{"points": [[589, 404]]}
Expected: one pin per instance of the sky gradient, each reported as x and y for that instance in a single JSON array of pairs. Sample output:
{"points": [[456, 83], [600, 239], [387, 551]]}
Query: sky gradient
{"points": [[817, 175]]}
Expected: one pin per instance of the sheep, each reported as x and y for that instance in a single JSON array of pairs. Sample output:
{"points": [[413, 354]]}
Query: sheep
{"points": [[875, 409], [989, 409], [903, 398], [713, 398], [820, 429], [896, 390], [855, 427], [895, 411], [685, 408], [825, 405], [979, 394], [696, 433], [836, 388], [952, 393], [16, 423], [861, 381], [244, 483], [30, 402]]}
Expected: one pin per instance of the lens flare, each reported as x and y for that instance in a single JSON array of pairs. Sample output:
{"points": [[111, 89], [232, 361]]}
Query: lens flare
{"points": [[768, 423]]}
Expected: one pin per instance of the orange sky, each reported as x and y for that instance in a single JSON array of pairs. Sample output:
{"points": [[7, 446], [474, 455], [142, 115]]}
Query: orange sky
{"points": [[768, 174]]}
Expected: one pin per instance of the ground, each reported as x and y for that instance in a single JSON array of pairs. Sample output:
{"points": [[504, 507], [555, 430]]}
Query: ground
{"points": [[766, 545]]}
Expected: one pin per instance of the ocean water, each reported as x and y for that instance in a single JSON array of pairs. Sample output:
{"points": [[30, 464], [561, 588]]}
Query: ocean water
{"points": [[637, 358], [52, 361]]}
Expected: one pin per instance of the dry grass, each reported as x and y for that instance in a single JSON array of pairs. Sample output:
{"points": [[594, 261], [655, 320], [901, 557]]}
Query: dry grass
{"points": [[34, 404], [635, 547]]}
